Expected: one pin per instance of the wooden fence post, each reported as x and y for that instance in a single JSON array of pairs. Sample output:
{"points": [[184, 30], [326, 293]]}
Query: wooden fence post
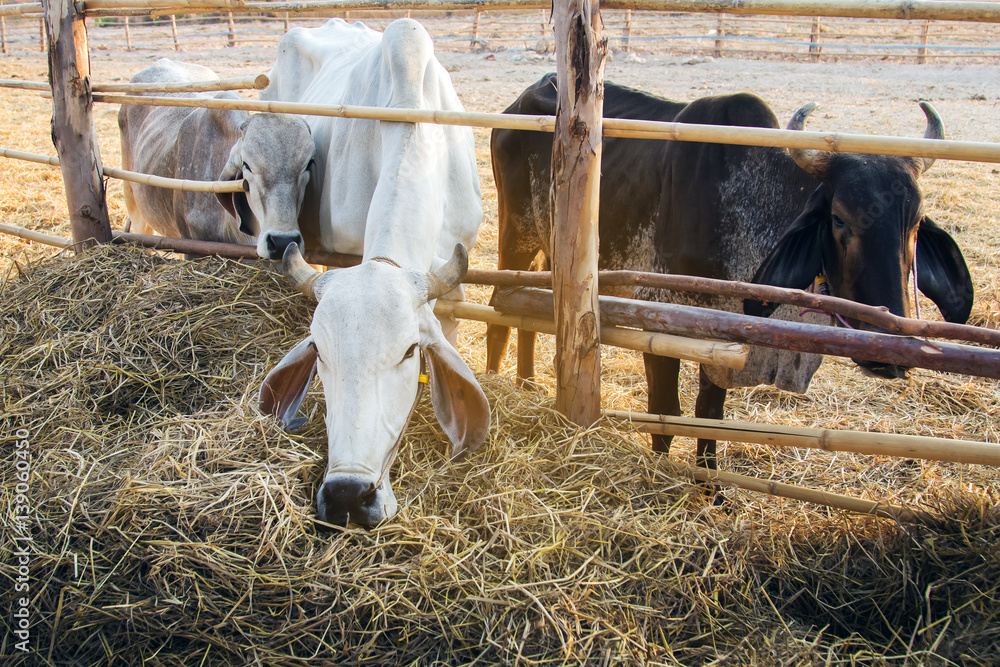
{"points": [[922, 50], [41, 35], [720, 32], [3, 33], [128, 35], [73, 130], [475, 32], [285, 17], [232, 29], [173, 31], [627, 33], [814, 46], [581, 51]]}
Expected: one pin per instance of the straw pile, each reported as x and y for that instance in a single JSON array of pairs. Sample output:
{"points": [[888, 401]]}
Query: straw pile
{"points": [[173, 523]]}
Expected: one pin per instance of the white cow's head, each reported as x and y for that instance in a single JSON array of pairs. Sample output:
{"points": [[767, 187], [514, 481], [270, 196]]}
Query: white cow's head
{"points": [[275, 155], [373, 324]]}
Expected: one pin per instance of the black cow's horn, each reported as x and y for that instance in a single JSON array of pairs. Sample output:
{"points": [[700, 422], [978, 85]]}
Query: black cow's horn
{"points": [[298, 272], [810, 160], [935, 129], [449, 276]]}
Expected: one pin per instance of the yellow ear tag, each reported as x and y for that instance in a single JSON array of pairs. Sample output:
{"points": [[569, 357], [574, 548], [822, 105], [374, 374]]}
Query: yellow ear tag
{"points": [[423, 378], [820, 280]]}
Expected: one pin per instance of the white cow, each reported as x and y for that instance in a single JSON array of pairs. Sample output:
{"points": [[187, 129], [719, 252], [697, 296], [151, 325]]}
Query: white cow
{"points": [[272, 152], [405, 196]]}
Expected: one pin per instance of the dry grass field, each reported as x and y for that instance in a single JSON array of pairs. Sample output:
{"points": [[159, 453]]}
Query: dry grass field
{"points": [[174, 523]]}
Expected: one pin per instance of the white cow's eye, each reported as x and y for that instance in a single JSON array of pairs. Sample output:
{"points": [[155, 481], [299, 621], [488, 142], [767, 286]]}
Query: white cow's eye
{"points": [[247, 168], [409, 352]]}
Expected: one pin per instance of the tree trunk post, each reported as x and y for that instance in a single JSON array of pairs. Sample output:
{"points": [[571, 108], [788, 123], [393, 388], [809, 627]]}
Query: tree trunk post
{"points": [[922, 50], [128, 35], [581, 50], [232, 29], [474, 42], [627, 33], [720, 33], [3, 33], [73, 130], [41, 35], [173, 32], [814, 46]]}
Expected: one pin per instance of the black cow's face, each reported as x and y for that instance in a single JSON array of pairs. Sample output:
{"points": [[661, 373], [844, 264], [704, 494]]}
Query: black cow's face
{"points": [[862, 228]]}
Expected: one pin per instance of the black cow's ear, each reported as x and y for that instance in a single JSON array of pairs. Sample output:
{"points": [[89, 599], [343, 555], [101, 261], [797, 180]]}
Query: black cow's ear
{"points": [[942, 274], [797, 258]]}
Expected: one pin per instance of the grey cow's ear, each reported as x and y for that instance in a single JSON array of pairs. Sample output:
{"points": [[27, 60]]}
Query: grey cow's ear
{"points": [[797, 259], [285, 387], [236, 202], [459, 402]]}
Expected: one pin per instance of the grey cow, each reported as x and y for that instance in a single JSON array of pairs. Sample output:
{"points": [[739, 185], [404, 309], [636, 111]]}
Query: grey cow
{"points": [[273, 152]]}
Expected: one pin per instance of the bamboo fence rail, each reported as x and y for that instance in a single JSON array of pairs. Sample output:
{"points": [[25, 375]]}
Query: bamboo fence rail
{"points": [[830, 440], [828, 498], [254, 82], [943, 10], [135, 177], [854, 143]]}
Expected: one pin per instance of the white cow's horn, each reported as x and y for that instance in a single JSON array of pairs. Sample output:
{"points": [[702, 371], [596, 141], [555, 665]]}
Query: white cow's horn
{"points": [[449, 276], [935, 129], [809, 159], [298, 272]]}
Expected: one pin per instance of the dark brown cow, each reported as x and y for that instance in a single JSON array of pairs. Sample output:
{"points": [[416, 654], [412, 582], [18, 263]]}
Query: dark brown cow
{"points": [[733, 213]]}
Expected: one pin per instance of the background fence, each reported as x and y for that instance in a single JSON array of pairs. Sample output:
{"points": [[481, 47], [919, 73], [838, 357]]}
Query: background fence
{"points": [[692, 35]]}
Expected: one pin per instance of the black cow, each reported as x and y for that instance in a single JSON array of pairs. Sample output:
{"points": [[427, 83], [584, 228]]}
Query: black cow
{"points": [[733, 213]]}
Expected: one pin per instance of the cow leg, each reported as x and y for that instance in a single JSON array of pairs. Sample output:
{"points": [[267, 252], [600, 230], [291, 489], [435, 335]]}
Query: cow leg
{"points": [[710, 405], [661, 384], [497, 335]]}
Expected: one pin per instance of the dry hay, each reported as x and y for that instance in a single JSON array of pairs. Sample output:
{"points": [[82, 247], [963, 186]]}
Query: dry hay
{"points": [[173, 523]]}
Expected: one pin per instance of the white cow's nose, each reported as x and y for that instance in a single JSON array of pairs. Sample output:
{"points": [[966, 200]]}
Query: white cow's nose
{"points": [[347, 499]]}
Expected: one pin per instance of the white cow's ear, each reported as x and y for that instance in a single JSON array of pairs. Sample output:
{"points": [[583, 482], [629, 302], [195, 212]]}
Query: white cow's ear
{"points": [[286, 385], [459, 402]]}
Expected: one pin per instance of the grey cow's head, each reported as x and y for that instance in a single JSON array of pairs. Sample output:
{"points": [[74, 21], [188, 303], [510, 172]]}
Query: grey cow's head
{"points": [[275, 155], [372, 325], [862, 227]]}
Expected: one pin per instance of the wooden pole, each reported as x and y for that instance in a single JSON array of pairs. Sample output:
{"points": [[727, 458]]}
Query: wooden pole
{"points": [[830, 440], [3, 31], [173, 32], [720, 32], [232, 29], [729, 355], [814, 47], [581, 50], [627, 33], [878, 316], [798, 336], [128, 35], [475, 32], [922, 51], [73, 131], [41, 36], [284, 15]]}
